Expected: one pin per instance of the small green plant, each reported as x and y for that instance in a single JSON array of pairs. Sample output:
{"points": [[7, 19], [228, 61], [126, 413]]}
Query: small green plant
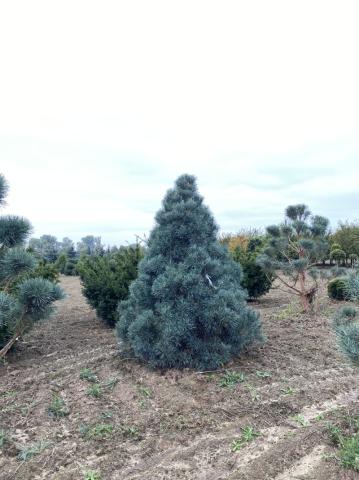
{"points": [[145, 392], [130, 431], [106, 414], [335, 433], [263, 374], [303, 422], [291, 311], [92, 475], [348, 453], [98, 431], [253, 392], [248, 435], [4, 438], [58, 407], [287, 391], [9, 394], [95, 390], [231, 378], [30, 451], [89, 375], [110, 383]]}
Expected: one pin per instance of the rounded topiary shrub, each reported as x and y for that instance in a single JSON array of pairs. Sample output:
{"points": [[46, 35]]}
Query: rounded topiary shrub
{"points": [[106, 279], [255, 280], [337, 289], [187, 307]]}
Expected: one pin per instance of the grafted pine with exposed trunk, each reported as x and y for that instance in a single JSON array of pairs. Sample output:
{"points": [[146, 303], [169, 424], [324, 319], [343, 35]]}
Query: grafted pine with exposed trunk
{"points": [[294, 249]]}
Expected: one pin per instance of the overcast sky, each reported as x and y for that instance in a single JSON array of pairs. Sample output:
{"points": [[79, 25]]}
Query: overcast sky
{"points": [[104, 103]]}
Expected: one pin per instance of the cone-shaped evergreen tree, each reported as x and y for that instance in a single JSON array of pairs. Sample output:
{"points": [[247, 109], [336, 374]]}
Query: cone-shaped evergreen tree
{"points": [[187, 307]]}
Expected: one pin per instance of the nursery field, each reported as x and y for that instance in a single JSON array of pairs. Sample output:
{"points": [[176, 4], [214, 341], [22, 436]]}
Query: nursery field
{"points": [[71, 406]]}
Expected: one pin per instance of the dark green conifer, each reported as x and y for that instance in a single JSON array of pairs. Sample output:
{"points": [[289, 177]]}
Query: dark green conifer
{"points": [[187, 307]]}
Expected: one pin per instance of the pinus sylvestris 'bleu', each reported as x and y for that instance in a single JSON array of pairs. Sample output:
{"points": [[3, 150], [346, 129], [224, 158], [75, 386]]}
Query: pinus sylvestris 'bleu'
{"points": [[187, 307]]}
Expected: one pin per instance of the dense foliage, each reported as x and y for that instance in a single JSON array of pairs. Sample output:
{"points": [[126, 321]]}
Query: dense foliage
{"points": [[346, 239], [45, 270], [345, 287], [294, 249], [337, 288], [255, 280], [106, 279], [187, 307], [23, 298], [346, 327]]}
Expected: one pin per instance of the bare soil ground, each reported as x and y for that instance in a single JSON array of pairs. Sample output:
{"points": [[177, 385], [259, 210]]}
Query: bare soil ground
{"points": [[174, 424]]}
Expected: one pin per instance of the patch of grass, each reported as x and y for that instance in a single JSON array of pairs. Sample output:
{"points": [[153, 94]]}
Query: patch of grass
{"points": [[253, 392], [106, 414], [98, 431], [291, 310], [130, 431], [335, 433], [301, 420], [231, 378], [95, 390], [110, 383], [263, 374], [29, 451], [4, 437], [92, 475], [88, 375], [9, 394], [248, 435], [348, 445], [58, 407], [145, 392], [287, 391]]}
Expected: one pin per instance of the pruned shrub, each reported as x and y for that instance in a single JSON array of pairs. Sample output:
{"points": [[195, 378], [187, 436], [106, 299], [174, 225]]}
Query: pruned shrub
{"points": [[255, 280], [106, 279], [48, 271], [293, 250], [337, 288], [187, 307]]}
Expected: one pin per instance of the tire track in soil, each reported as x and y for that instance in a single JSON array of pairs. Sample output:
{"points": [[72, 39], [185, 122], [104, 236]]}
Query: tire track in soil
{"points": [[204, 449]]}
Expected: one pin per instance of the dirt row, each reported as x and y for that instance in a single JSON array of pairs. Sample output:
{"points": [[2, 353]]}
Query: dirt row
{"points": [[148, 424]]}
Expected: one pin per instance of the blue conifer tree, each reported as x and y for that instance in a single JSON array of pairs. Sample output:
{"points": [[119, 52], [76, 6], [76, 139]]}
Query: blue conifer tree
{"points": [[23, 300], [187, 307]]}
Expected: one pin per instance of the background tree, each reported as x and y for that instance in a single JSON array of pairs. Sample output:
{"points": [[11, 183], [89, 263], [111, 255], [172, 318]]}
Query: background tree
{"points": [[90, 245], [187, 307], [346, 238], [337, 254], [66, 245], [23, 300], [294, 249], [46, 247], [106, 279], [255, 279]]}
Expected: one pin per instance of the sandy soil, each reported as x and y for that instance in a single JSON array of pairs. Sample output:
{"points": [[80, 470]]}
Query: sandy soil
{"points": [[174, 424]]}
